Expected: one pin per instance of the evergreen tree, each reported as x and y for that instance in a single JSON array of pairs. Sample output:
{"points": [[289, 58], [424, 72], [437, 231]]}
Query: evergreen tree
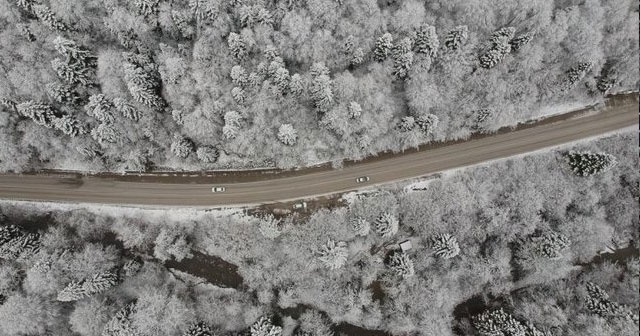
{"points": [[14, 243], [120, 324], [26, 32], [183, 21], [598, 302], [264, 327], [357, 57], [500, 47], [575, 74], [199, 329], [143, 80], [319, 69], [238, 95], [406, 124], [105, 133], [207, 154], [99, 107], [427, 41], [239, 76], [402, 58], [46, 16], [549, 245], [333, 254], [63, 94], [427, 122], [73, 53], [237, 45], [41, 114], [360, 226], [387, 225], [72, 73], [296, 85], [321, 93], [281, 80], [131, 268], [456, 37], [9, 104], [270, 227], [384, 45], [287, 134], [146, 7], [355, 110], [126, 110], [521, 40], [67, 125], [445, 246], [181, 147], [400, 264], [588, 164]]}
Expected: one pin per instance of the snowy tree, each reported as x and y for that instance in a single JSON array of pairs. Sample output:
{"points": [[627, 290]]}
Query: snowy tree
{"points": [[230, 131], [41, 114], [333, 254], [360, 226], [253, 15], [239, 76], [142, 79], [120, 324], [520, 41], [126, 110], [26, 5], [598, 302], [26, 32], [67, 125], [238, 95], [349, 44], [406, 124], [445, 246], [400, 264], [264, 327], [318, 69], [387, 225], [575, 74], [427, 122], [146, 7], [73, 53], [98, 283], [357, 57], [237, 45], [384, 45], [355, 110], [131, 268], [105, 133], [181, 146], [203, 9], [321, 93], [588, 164], [500, 47], [14, 243], [281, 80], [183, 21], [427, 41], [63, 94], [296, 85], [287, 134], [170, 244], [178, 116], [72, 74], [270, 227], [548, 245], [46, 16], [456, 37], [402, 58], [9, 104], [498, 322], [207, 154], [99, 107], [199, 329]]}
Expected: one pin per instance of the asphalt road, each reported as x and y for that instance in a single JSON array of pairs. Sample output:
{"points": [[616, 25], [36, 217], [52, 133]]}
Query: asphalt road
{"points": [[106, 190]]}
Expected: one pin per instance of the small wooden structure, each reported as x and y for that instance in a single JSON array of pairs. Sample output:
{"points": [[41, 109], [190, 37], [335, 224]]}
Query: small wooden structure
{"points": [[405, 245]]}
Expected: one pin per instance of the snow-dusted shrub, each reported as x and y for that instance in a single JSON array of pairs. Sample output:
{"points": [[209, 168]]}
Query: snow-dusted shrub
{"points": [[587, 164], [207, 154], [181, 146], [445, 246], [360, 226], [287, 134], [387, 225], [270, 227], [400, 264], [427, 122]]}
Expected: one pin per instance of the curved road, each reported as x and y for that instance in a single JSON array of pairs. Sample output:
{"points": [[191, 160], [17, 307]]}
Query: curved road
{"points": [[619, 113]]}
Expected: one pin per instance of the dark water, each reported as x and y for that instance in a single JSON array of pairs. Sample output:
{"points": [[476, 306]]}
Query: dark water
{"points": [[215, 270]]}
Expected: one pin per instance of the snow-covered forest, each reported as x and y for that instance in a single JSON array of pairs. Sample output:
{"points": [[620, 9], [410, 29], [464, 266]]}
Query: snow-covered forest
{"points": [[545, 244], [206, 84]]}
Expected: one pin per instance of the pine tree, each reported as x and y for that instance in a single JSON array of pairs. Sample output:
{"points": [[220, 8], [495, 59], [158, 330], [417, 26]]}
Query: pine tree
{"points": [[598, 302], [355, 110], [9, 104], [26, 32], [296, 85], [357, 57], [238, 95], [281, 80], [387, 225], [549, 245], [575, 74], [321, 93], [199, 329], [61, 93], [178, 116], [105, 133], [406, 124], [73, 53], [402, 58], [41, 114], [120, 324], [26, 5], [203, 9], [360, 226], [131, 268], [427, 41], [264, 327], [100, 282], [239, 76], [500, 47], [72, 292], [72, 74], [456, 37], [445, 246], [126, 110], [384, 45], [588, 164], [67, 125], [497, 322], [181, 146], [183, 21], [99, 107], [142, 79], [521, 40], [287, 134], [400, 264], [207, 154], [319, 69], [46, 16], [427, 122], [333, 254], [146, 7], [14, 243], [237, 45]]}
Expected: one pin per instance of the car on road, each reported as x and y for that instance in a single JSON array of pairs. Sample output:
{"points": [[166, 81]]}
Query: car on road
{"points": [[299, 205], [362, 179], [218, 189]]}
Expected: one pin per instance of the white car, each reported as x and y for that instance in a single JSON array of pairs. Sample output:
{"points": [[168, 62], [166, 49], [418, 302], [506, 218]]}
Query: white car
{"points": [[300, 205], [362, 179], [218, 189]]}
